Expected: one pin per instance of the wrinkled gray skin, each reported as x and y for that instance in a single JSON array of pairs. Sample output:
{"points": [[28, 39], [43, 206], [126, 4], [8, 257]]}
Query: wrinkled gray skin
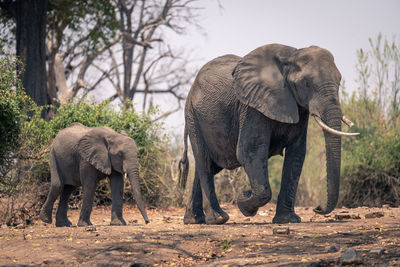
{"points": [[241, 111], [83, 156]]}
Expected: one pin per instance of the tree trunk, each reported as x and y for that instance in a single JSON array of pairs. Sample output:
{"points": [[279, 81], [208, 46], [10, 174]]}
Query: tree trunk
{"points": [[30, 16]]}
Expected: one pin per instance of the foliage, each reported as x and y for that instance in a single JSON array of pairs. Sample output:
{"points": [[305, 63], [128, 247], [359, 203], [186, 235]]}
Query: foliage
{"points": [[13, 102], [371, 162], [93, 20]]}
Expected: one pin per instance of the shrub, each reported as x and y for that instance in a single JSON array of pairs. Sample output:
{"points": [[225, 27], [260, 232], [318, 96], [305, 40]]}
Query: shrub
{"points": [[13, 101], [371, 166]]}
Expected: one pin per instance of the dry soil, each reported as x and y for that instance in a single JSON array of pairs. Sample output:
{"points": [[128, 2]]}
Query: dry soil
{"points": [[242, 241]]}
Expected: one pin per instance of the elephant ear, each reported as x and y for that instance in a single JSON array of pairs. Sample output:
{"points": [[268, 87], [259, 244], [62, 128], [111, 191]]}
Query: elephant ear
{"points": [[259, 83], [92, 147]]}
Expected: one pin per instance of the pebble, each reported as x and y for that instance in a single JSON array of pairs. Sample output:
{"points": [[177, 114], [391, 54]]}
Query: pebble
{"points": [[350, 256], [281, 230], [90, 228], [376, 251], [342, 216], [376, 214]]}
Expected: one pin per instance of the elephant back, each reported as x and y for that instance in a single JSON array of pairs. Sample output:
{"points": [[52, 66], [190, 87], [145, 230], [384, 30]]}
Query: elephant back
{"points": [[217, 73]]}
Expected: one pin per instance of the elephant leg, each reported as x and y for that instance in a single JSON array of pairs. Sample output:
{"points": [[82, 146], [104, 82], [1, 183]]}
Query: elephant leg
{"points": [[61, 215], [194, 209], [89, 180], [117, 190], [54, 192], [213, 212], [257, 171], [47, 209], [252, 153], [292, 166]]}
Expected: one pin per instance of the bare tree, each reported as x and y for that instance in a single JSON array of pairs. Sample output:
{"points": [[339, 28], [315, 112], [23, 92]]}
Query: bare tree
{"points": [[123, 46], [149, 65]]}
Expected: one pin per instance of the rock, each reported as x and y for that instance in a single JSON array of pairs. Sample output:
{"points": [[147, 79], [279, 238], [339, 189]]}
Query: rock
{"points": [[377, 252], [331, 249], [281, 230], [90, 228], [342, 216], [346, 215], [53, 262], [350, 256], [376, 214]]}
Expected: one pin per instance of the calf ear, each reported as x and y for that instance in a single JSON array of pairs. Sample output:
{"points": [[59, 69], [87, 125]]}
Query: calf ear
{"points": [[93, 148], [259, 83]]}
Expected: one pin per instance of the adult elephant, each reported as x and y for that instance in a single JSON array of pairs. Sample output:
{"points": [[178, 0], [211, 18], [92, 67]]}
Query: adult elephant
{"points": [[241, 111], [81, 155]]}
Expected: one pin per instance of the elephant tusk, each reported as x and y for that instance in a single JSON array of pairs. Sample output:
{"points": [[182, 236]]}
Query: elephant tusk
{"points": [[330, 130], [347, 121]]}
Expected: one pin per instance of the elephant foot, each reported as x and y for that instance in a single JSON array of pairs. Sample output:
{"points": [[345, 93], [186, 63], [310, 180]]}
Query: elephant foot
{"points": [[45, 216], [194, 218], [244, 205], [286, 217], [214, 217], [63, 223], [117, 221], [82, 223]]}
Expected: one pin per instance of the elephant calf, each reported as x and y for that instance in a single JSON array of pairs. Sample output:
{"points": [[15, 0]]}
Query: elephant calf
{"points": [[81, 155]]}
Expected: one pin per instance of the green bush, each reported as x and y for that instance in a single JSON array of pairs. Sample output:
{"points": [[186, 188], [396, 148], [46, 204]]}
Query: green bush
{"points": [[13, 101], [371, 162]]}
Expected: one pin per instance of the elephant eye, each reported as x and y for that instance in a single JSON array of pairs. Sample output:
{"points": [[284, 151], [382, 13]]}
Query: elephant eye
{"points": [[120, 153]]}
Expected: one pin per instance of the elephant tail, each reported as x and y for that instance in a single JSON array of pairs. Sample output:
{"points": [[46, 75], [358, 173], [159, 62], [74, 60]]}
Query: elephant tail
{"points": [[184, 163]]}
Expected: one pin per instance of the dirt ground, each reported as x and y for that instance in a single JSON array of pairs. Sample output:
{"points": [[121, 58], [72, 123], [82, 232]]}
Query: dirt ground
{"points": [[242, 241]]}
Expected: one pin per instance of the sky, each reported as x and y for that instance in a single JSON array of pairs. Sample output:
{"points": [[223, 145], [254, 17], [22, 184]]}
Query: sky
{"points": [[341, 26]]}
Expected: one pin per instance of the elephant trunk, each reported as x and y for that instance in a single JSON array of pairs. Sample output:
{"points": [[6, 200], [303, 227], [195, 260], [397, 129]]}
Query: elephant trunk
{"points": [[332, 117], [133, 175]]}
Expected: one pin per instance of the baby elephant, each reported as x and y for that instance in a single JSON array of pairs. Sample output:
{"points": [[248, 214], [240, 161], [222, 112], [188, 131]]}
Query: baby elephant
{"points": [[81, 155]]}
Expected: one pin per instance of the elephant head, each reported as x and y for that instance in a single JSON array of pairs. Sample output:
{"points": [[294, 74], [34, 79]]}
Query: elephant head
{"points": [[277, 80], [108, 150]]}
